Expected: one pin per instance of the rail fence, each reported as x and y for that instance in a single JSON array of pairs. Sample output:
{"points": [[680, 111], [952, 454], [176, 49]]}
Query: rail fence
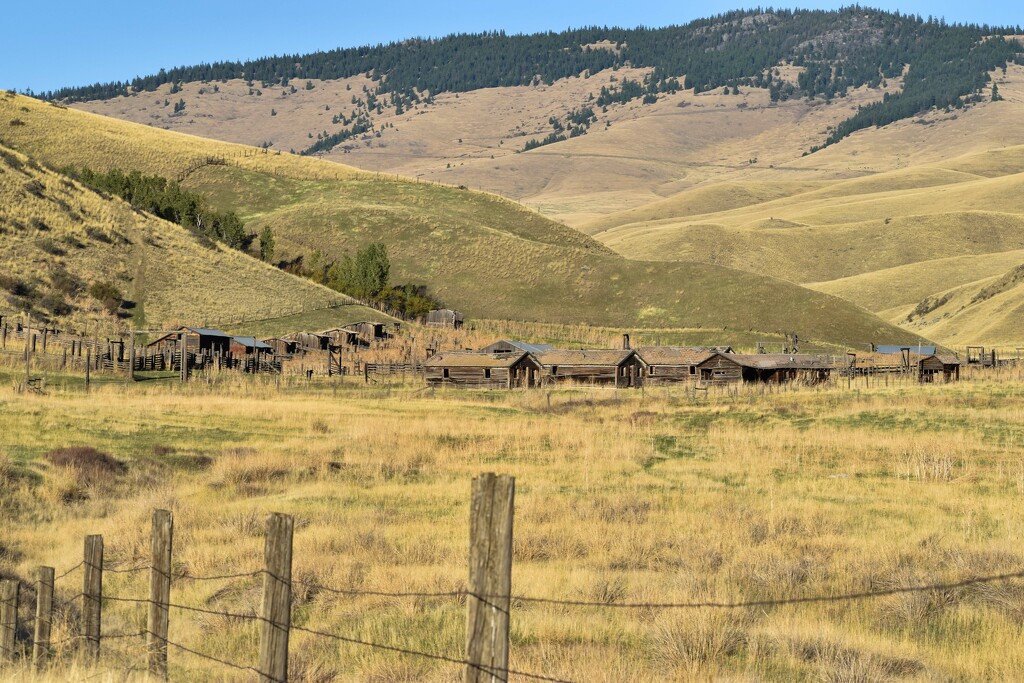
{"points": [[488, 597]]}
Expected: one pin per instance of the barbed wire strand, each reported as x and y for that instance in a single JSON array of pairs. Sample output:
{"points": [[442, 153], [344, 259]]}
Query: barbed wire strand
{"points": [[428, 655], [197, 653], [58, 578]]}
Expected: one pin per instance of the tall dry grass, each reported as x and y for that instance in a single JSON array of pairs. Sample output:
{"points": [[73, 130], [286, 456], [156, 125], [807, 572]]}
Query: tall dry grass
{"points": [[622, 497]]}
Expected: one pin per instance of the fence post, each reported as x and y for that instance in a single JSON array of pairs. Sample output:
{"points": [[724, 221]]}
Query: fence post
{"points": [[131, 358], [92, 594], [44, 617], [159, 592], [184, 358], [490, 578], [277, 599], [8, 618]]}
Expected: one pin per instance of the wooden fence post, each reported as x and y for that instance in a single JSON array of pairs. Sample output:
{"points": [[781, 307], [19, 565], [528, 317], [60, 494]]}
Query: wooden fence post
{"points": [[277, 599], [159, 592], [131, 358], [184, 357], [92, 595], [8, 618], [44, 617], [88, 366], [490, 578]]}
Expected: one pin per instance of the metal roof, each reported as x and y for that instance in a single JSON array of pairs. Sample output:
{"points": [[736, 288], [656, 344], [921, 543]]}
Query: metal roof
{"points": [[893, 348], [584, 357], [207, 332], [251, 342], [524, 346], [471, 359]]}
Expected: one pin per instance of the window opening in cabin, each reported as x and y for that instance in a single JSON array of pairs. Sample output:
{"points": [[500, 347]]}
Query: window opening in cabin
{"points": [[487, 373], [693, 369], [554, 369], [446, 373]]}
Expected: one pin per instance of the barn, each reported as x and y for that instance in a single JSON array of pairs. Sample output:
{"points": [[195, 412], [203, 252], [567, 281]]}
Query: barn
{"points": [[483, 370], [247, 345], [619, 367], [512, 346], [444, 317], [672, 364], [944, 366], [197, 339]]}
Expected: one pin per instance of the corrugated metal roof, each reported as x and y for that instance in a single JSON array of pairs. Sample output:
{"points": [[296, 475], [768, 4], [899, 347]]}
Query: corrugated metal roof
{"points": [[674, 355], [524, 346], [207, 332], [251, 342], [584, 357], [780, 361], [471, 359], [892, 348]]}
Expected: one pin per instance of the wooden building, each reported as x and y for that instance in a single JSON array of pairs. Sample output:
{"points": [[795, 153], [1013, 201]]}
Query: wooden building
{"points": [[619, 367], [343, 336], [310, 341], [938, 365], [782, 367], [672, 364], [282, 347], [369, 331], [512, 346], [483, 370], [197, 340], [444, 317], [249, 345]]}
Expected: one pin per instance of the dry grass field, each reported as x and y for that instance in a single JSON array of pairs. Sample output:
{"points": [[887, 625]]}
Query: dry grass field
{"points": [[622, 497], [484, 255]]}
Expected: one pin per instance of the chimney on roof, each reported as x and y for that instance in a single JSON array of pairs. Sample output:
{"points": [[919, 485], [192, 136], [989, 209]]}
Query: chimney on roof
{"points": [[625, 342]]}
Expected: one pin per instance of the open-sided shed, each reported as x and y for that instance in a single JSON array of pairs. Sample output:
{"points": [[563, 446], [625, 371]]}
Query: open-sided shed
{"points": [[245, 345], [282, 347], [197, 339], [485, 370], [783, 367], [591, 366]]}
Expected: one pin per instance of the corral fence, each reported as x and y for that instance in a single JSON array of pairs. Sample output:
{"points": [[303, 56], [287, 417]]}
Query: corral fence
{"points": [[488, 597]]}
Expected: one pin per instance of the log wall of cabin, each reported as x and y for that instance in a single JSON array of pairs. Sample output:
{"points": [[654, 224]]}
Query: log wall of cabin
{"points": [[469, 376], [722, 370]]}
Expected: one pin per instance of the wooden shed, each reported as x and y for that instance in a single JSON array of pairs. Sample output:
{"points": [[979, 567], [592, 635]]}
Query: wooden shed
{"points": [[620, 367], [512, 346], [247, 345], [782, 367], [672, 364], [343, 336], [938, 365], [484, 370], [719, 368], [310, 341], [369, 330], [444, 317], [282, 347], [197, 339]]}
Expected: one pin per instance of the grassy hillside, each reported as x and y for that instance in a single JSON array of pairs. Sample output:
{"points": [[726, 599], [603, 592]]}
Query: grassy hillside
{"points": [[59, 238], [480, 253]]}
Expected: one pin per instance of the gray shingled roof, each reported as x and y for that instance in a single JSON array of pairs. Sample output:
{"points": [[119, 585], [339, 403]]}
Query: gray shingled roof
{"points": [[583, 357], [471, 359]]}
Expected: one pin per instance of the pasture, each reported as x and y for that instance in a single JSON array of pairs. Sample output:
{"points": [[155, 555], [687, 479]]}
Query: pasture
{"points": [[622, 497]]}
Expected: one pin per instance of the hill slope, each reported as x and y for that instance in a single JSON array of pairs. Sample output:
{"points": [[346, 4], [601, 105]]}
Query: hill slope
{"points": [[59, 238], [483, 254]]}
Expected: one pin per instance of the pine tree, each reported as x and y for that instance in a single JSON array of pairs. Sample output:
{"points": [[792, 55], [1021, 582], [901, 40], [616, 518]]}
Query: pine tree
{"points": [[266, 244]]}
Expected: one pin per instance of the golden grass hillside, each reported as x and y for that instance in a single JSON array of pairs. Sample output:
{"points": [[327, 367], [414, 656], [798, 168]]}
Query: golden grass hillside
{"points": [[58, 238], [487, 256], [621, 497]]}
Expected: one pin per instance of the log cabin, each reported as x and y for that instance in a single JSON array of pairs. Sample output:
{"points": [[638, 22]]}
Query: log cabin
{"points": [[938, 365], [672, 364], [483, 370], [619, 367]]}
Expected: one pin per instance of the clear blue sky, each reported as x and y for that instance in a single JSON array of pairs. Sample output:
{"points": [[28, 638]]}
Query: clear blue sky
{"points": [[48, 44]]}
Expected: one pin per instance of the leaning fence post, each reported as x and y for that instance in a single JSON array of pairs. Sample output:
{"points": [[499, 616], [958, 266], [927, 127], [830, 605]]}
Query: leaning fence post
{"points": [[490, 578], [159, 592], [8, 618], [44, 617], [277, 599], [92, 594]]}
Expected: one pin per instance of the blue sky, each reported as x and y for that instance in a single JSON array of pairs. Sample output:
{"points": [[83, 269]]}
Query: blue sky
{"points": [[81, 42]]}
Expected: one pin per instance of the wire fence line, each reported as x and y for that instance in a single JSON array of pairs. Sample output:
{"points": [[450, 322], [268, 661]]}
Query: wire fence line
{"points": [[494, 600]]}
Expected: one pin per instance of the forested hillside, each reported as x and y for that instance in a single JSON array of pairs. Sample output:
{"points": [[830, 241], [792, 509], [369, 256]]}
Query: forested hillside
{"points": [[942, 64]]}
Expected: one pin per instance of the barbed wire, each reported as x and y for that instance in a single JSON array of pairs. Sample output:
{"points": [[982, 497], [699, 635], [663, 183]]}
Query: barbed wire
{"points": [[225, 662], [129, 570], [429, 655], [58, 578]]}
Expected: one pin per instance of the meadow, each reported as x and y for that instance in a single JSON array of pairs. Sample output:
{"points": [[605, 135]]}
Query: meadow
{"points": [[648, 497]]}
